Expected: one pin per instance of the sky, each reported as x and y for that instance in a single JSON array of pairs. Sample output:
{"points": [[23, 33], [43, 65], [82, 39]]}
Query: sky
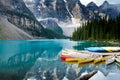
{"points": [[99, 2]]}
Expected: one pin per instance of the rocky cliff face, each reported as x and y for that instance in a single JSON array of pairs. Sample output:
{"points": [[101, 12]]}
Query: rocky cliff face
{"points": [[78, 10], [10, 31], [92, 6], [71, 13], [68, 12], [51, 24], [96, 10], [48, 8], [15, 6], [112, 10], [63, 10], [16, 12], [29, 25]]}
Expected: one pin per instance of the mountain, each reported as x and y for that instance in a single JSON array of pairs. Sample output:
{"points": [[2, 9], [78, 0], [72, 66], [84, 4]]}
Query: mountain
{"points": [[112, 10], [63, 10], [19, 16], [92, 6], [15, 6], [105, 5], [78, 10], [69, 13], [52, 25], [95, 9], [10, 31], [48, 8]]}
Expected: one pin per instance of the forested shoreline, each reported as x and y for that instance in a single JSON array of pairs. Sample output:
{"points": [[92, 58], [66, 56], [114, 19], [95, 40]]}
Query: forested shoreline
{"points": [[101, 29]]}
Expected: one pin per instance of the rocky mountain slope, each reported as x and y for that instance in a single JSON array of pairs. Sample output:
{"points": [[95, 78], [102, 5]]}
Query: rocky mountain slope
{"points": [[69, 13], [57, 17], [92, 6], [15, 6], [52, 25], [10, 31], [16, 12], [112, 10], [63, 10]]}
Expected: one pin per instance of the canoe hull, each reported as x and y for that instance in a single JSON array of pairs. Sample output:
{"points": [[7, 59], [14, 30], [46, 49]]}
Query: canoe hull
{"points": [[85, 61], [110, 61], [64, 57], [73, 59]]}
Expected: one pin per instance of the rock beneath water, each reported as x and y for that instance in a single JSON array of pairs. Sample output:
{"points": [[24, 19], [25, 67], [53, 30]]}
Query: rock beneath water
{"points": [[87, 76]]}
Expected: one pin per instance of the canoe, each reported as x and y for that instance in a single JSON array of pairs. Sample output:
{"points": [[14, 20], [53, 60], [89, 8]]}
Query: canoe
{"points": [[73, 59], [69, 52], [84, 64], [86, 61], [112, 49], [110, 61], [118, 65], [114, 59], [97, 64], [103, 49], [117, 59], [75, 53], [95, 49], [100, 60], [65, 54], [71, 63], [63, 57]]}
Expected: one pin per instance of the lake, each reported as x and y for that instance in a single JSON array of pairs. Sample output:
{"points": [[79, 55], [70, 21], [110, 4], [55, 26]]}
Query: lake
{"points": [[40, 60]]}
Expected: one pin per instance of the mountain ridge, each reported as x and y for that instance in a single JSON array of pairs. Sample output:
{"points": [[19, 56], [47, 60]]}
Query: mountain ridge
{"points": [[69, 12], [10, 31], [112, 10], [16, 12]]}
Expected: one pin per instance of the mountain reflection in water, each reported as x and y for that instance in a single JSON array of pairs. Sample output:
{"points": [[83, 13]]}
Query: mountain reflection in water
{"points": [[39, 60]]}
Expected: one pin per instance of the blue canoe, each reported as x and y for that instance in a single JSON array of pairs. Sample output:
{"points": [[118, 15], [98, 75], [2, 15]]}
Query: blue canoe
{"points": [[103, 49], [96, 49]]}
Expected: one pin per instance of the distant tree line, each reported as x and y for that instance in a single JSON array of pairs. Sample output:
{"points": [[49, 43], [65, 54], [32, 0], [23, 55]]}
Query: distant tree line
{"points": [[101, 29]]}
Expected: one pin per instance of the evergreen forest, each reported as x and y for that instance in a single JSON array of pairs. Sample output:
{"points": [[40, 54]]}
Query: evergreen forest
{"points": [[98, 29]]}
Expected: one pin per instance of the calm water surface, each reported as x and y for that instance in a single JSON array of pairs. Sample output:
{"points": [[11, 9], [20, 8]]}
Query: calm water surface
{"points": [[39, 60]]}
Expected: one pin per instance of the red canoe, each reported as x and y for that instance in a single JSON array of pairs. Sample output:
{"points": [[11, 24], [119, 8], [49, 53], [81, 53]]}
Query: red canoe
{"points": [[63, 57]]}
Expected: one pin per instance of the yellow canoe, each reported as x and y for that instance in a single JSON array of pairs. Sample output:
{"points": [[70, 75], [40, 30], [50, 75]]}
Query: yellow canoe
{"points": [[100, 60], [86, 61], [73, 59], [97, 64], [112, 49], [84, 64], [71, 63]]}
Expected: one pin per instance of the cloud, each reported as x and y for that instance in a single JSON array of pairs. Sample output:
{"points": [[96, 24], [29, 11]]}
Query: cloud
{"points": [[85, 2], [114, 1], [99, 2]]}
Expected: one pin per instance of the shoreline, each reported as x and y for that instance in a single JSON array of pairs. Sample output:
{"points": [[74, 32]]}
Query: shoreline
{"points": [[114, 42]]}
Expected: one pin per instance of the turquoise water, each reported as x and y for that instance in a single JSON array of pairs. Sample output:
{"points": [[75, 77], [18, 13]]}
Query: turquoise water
{"points": [[39, 60]]}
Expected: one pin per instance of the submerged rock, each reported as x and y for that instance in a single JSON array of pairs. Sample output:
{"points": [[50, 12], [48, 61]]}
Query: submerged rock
{"points": [[87, 76]]}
